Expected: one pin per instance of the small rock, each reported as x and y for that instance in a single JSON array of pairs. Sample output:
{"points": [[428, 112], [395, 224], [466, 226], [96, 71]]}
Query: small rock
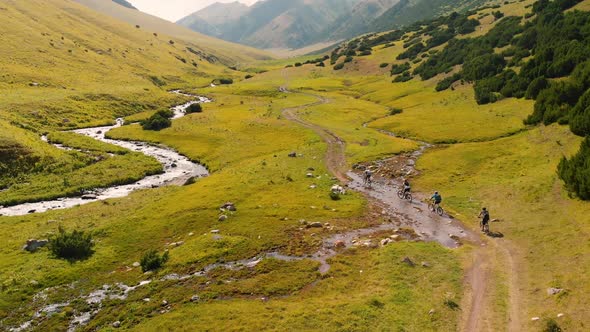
{"points": [[116, 324], [313, 186], [309, 175], [340, 244], [554, 291], [136, 264], [408, 261], [164, 303], [191, 234], [33, 245], [560, 315], [534, 319], [385, 242], [311, 169], [431, 312], [425, 264], [215, 231], [195, 298], [222, 217], [147, 299], [327, 224], [89, 197], [229, 206], [315, 225], [293, 155], [395, 237]]}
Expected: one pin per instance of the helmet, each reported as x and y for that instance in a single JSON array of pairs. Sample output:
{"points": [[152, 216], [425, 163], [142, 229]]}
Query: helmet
{"points": [[436, 192], [484, 209]]}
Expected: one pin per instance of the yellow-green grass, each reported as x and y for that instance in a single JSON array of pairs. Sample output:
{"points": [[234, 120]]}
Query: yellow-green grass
{"points": [[583, 6], [515, 178], [78, 68], [251, 126], [345, 117], [228, 52], [448, 116], [388, 295], [72, 175], [85, 143]]}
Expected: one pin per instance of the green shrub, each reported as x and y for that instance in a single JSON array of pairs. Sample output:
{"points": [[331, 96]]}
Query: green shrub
{"points": [[383, 65], [398, 69], [552, 326], [348, 59], [158, 121], [73, 246], [447, 82], [339, 66], [575, 172], [194, 108], [394, 111], [152, 260], [298, 64], [225, 81], [248, 77]]}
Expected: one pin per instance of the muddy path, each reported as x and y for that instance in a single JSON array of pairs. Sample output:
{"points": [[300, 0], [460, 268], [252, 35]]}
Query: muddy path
{"points": [[445, 229], [177, 168]]}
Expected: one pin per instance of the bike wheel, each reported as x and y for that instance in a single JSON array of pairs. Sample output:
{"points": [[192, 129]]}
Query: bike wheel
{"points": [[400, 194], [409, 197], [431, 207], [440, 211]]}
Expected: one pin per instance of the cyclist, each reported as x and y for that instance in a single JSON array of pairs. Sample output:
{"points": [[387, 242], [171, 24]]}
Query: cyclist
{"points": [[485, 221], [436, 198], [368, 176], [407, 187]]}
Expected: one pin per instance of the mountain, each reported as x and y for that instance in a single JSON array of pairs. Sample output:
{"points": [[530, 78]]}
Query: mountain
{"points": [[124, 3], [300, 23], [406, 12], [270, 23], [227, 52], [211, 19], [358, 20]]}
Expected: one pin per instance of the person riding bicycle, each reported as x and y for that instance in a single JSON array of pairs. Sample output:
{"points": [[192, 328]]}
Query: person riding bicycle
{"points": [[407, 187], [436, 198], [368, 175], [485, 215]]}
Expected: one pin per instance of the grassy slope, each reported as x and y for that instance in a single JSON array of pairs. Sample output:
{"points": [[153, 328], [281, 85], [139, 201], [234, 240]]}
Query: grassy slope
{"points": [[229, 53]]}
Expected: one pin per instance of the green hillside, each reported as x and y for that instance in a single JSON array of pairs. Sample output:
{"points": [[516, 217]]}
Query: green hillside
{"points": [[265, 242]]}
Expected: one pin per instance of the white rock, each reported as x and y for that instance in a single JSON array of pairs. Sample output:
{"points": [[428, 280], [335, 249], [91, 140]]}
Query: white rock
{"points": [[136, 264], [534, 319], [560, 315]]}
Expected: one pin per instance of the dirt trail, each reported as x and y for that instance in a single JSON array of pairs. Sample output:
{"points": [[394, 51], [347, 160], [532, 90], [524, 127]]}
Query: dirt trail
{"points": [[445, 230]]}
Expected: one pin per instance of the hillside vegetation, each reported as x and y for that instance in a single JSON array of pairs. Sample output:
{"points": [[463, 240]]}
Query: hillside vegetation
{"points": [[270, 140]]}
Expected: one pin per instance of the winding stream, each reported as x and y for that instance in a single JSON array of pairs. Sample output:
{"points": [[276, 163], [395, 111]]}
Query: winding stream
{"points": [[177, 168]]}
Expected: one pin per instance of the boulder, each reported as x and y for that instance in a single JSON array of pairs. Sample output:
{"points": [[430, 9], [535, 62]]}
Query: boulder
{"points": [[229, 206], [316, 224], [33, 245], [425, 264], [554, 291], [432, 312], [164, 303], [116, 324], [136, 264], [195, 298], [293, 155], [222, 217], [408, 261], [309, 175], [534, 319], [340, 244], [385, 242]]}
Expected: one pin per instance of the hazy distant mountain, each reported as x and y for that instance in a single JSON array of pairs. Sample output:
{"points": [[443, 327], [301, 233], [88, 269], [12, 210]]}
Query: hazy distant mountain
{"points": [[270, 23], [299, 23], [211, 20], [358, 20], [124, 3]]}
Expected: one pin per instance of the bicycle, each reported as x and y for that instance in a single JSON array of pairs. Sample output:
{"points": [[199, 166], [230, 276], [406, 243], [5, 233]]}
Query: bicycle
{"points": [[368, 182], [435, 207], [484, 227], [402, 194]]}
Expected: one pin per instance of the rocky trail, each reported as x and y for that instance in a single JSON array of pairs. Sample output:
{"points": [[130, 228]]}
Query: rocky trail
{"points": [[445, 229], [177, 169]]}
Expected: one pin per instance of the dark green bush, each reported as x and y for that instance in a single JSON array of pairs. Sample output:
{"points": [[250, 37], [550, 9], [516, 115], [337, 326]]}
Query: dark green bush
{"points": [[335, 196], [447, 82], [194, 108], [398, 69], [224, 81], [247, 77], [158, 121], [75, 245], [383, 65], [152, 260], [339, 66], [394, 111], [298, 64]]}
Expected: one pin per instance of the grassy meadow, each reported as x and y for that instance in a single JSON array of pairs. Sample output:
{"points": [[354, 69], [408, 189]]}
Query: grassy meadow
{"points": [[89, 69]]}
